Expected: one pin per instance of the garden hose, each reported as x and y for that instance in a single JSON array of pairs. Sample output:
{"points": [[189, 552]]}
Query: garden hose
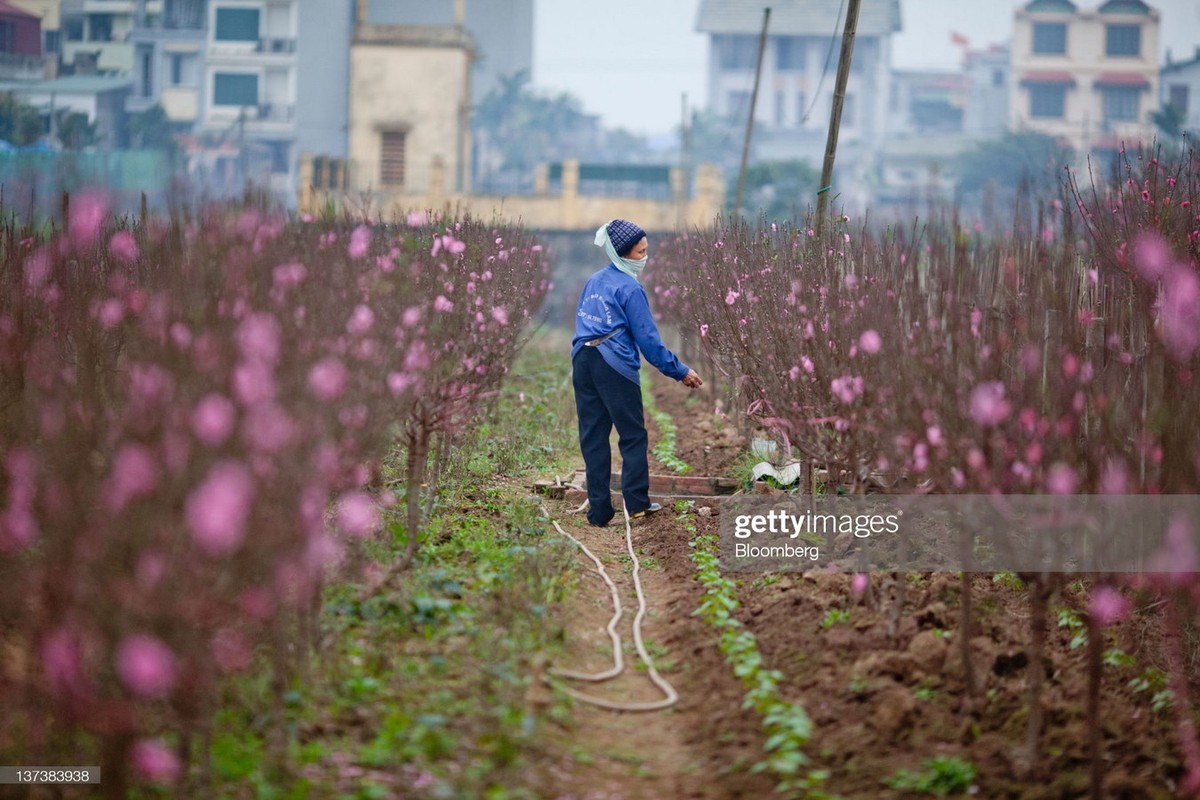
{"points": [[671, 696]]}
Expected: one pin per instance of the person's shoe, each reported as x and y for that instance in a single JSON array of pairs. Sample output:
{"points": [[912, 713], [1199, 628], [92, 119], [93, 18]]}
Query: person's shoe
{"points": [[653, 509]]}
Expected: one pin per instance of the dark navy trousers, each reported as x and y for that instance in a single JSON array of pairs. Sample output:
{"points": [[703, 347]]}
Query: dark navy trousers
{"points": [[604, 398]]}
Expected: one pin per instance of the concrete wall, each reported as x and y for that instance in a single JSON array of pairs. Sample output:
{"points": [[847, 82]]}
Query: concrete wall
{"points": [[406, 86], [567, 210]]}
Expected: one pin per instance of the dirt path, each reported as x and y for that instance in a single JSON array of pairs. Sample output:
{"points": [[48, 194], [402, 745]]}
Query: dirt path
{"points": [[700, 748]]}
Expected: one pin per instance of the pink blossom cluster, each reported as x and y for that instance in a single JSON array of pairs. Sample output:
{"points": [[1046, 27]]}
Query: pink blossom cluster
{"points": [[191, 411]]}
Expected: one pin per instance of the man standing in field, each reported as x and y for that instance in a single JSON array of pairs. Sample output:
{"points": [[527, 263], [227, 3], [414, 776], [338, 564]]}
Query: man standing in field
{"points": [[613, 329]]}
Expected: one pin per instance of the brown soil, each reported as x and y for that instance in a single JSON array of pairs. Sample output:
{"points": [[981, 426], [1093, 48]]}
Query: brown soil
{"points": [[883, 696]]}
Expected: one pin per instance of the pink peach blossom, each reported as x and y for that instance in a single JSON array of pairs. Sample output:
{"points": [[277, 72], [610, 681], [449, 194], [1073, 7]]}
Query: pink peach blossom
{"points": [[987, 406], [1061, 478], [145, 666], [152, 760], [360, 320], [213, 418], [1108, 605], [123, 246], [360, 241], [134, 474], [259, 337], [356, 514], [218, 509], [870, 341], [327, 379]]}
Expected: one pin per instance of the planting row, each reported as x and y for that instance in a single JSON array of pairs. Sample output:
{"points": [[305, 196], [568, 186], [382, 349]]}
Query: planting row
{"points": [[1060, 361], [190, 412]]}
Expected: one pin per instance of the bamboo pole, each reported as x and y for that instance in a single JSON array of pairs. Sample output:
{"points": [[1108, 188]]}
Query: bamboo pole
{"points": [[835, 115], [762, 45]]}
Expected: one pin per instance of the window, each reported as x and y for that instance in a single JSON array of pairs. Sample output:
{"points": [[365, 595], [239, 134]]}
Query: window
{"points": [[1178, 97], [147, 57], [789, 53], [237, 25], [801, 107], [182, 69], [100, 27], [1050, 38], [52, 42], [1120, 103], [739, 52], [6, 37], [235, 89], [737, 104], [997, 77], [1048, 100], [1123, 40], [391, 157]]}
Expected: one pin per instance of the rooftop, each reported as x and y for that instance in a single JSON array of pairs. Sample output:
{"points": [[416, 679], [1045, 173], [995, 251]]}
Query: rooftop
{"points": [[69, 84], [796, 17]]}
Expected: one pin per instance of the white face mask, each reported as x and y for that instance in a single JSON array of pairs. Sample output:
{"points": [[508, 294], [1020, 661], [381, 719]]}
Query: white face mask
{"points": [[629, 266]]}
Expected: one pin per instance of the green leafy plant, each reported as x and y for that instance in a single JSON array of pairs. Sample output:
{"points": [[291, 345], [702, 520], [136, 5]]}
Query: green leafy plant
{"points": [[786, 725], [664, 448], [833, 616], [942, 775]]}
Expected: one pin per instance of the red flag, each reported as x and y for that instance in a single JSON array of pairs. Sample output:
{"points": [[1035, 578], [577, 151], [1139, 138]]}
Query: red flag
{"points": [[958, 39]]}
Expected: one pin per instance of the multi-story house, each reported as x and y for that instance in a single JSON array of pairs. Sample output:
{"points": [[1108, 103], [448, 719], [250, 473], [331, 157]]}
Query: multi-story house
{"points": [[20, 44], [1181, 92], [228, 74], [988, 76], [1086, 76], [96, 34], [225, 72], [169, 60], [798, 76], [48, 12]]}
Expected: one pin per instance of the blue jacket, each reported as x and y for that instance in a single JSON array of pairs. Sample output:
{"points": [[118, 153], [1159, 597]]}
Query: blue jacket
{"points": [[612, 300]]}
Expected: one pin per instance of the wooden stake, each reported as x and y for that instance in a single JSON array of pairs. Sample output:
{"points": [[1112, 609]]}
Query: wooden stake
{"points": [[762, 45], [835, 116]]}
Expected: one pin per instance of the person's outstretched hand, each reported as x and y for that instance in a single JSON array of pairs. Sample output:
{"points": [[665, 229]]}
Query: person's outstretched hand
{"points": [[692, 380]]}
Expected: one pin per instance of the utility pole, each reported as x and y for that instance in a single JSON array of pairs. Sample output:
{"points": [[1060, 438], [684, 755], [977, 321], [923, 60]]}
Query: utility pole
{"points": [[762, 45], [835, 116]]}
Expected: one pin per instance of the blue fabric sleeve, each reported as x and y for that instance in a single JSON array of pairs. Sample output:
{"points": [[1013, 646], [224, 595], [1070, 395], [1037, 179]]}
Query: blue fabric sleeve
{"points": [[646, 336]]}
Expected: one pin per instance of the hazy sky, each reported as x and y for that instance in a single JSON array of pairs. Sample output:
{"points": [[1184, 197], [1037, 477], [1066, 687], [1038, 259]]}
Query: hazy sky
{"points": [[631, 60]]}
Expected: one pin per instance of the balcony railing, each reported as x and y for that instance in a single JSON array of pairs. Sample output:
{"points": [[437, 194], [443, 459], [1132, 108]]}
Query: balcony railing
{"points": [[272, 45], [276, 112], [276, 45]]}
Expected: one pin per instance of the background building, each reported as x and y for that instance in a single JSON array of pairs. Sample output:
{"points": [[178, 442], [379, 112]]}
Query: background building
{"points": [[1180, 83], [1088, 77], [798, 76], [502, 31]]}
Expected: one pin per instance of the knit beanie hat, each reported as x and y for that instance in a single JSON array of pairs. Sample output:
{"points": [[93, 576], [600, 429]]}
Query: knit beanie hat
{"points": [[624, 235]]}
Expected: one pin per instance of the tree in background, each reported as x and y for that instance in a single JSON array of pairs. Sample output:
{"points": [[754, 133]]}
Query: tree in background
{"points": [[151, 130], [20, 123], [1170, 120], [714, 139], [778, 190], [75, 131], [1029, 159]]}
